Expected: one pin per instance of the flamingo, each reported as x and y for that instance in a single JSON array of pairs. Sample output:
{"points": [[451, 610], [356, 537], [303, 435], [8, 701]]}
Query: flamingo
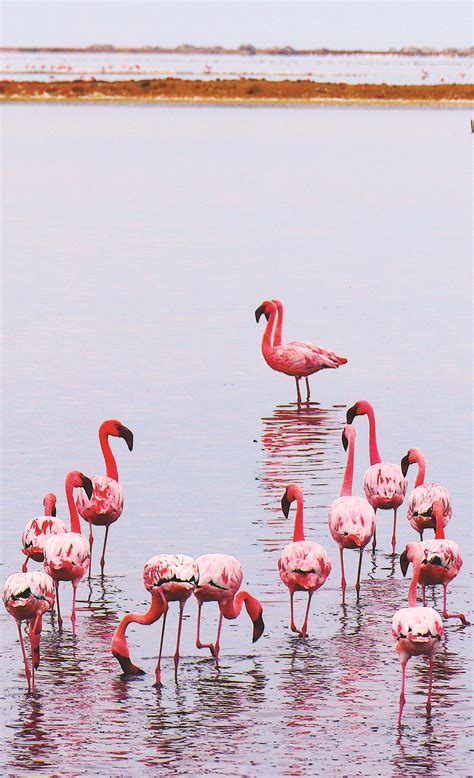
{"points": [[168, 578], [441, 560], [28, 596], [220, 577], [40, 528], [384, 483], [351, 519], [298, 359], [417, 631], [420, 503], [303, 565], [106, 505], [67, 555]]}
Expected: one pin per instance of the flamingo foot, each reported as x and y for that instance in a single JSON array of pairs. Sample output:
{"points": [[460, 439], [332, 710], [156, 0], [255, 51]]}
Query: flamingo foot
{"points": [[157, 684], [210, 646], [461, 616], [176, 664], [400, 710], [428, 708], [357, 588]]}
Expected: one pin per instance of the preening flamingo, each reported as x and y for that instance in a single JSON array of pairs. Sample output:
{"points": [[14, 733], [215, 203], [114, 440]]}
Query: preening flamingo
{"points": [[440, 560], [417, 631], [298, 358], [220, 578], [106, 504], [40, 528], [67, 555], [351, 519], [420, 503], [303, 565], [384, 484], [168, 578], [28, 596]]}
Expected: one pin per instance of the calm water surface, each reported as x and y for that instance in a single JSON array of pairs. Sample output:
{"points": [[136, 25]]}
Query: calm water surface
{"points": [[138, 242]]}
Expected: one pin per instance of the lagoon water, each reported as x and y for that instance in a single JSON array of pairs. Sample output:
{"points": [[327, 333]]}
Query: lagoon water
{"points": [[138, 241]]}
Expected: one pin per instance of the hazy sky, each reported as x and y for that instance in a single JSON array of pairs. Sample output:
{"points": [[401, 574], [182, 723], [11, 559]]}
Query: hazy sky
{"points": [[336, 24]]}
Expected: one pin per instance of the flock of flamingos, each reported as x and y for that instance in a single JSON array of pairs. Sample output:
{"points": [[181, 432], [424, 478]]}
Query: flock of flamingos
{"points": [[303, 565]]}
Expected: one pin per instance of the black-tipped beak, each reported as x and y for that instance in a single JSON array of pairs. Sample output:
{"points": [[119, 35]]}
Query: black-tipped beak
{"points": [[258, 627], [404, 464], [87, 486], [345, 442], [127, 435], [259, 311], [351, 414], [285, 505], [404, 562], [128, 668]]}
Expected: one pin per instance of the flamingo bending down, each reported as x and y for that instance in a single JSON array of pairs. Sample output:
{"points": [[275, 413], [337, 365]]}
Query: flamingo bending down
{"points": [[28, 596], [298, 358], [67, 555], [417, 631], [168, 578], [106, 504], [220, 577], [38, 529], [351, 519], [303, 565], [384, 484], [420, 503], [439, 560]]}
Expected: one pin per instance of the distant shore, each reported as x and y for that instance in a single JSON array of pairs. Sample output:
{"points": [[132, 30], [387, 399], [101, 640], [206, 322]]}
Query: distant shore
{"points": [[233, 91]]}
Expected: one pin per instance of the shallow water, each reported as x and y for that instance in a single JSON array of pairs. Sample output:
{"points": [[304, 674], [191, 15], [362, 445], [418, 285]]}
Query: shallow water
{"points": [[138, 243]]}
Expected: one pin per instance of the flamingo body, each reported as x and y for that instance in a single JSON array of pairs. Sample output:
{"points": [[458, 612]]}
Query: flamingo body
{"points": [[66, 556], [176, 574], [417, 631], [106, 503], [420, 506], [304, 566], [36, 532], [384, 485], [441, 561], [351, 521]]}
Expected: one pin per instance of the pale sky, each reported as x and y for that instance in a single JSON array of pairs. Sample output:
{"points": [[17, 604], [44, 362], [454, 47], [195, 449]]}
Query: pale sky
{"points": [[301, 24]]}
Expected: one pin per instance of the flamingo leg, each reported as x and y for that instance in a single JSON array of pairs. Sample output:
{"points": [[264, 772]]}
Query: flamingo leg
{"points": [[158, 665], [304, 628], [24, 566], [357, 586], [343, 578], [176, 653], [447, 615], [35, 633], [198, 641], [430, 685], [308, 393], [73, 612], [374, 539], [102, 559], [423, 589], [216, 646], [394, 533], [402, 693], [298, 394], [91, 543], [293, 626], [25, 660], [421, 535], [60, 621]]}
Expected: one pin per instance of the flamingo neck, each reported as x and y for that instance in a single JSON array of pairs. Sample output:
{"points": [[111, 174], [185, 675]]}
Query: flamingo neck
{"points": [[49, 506], [439, 534], [158, 606], [278, 332], [346, 488], [298, 533], [414, 581], [110, 463], [375, 457], [74, 516], [420, 478], [267, 343], [232, 608]]}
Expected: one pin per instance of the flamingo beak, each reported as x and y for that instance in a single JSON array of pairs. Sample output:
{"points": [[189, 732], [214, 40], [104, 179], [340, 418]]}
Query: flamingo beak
{"points": [[259, 311], [345, 442], [351, 414], [404, 562], [127, 665], [127, 435], [258, 627], [285, 505], [87, 486], [53, 511], [404, 464]]}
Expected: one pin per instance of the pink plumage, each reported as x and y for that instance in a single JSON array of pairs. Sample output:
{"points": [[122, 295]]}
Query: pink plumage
{"points": [[424, 495], [38, 529]]}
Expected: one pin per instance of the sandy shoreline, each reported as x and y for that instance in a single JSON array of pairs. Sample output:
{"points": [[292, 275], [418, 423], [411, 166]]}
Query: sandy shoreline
{"points": [[233, 91]]}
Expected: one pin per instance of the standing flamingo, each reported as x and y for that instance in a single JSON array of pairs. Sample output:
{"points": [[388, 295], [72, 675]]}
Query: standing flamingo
{"points": [[351, 519], [106, 504], [303, 565], [298, 359], [220, 577], [67, 555], [420, 503], [417, 630], [40, 528], [28, 596], [384, 484], [440, 560], [168, 578]]}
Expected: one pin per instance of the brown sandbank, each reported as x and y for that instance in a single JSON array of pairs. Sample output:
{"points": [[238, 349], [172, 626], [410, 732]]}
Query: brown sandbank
{"points": [[233, 90]]}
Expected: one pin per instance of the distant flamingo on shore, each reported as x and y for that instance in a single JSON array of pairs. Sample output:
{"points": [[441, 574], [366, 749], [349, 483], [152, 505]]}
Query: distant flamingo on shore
{"points": [[421, 500], [384, 484], [303, 565], [298, 358], [40, 528]]}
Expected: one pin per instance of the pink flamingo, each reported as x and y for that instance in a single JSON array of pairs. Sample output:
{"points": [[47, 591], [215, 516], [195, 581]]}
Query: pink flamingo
{"points": [[298, 359], [420, 503], [106, 504], [168, 578], [220, 577], [440, 560], [417, 631], [28, 596], [351, 519], [303, 565], [40, 528], [67, 555], [384, 484]]}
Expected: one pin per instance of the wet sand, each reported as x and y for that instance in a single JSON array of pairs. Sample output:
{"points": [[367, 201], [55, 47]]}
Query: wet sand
{"points": [[235, 90]]}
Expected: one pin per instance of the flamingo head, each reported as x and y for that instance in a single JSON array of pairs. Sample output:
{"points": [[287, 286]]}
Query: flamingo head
{"points": [[117, 430], [49, 504], [266, 308], [128, 668], [78, 480], [358, 409], [291, 493], [258, 627], [348, 434], [412, 551], [413, 455]]}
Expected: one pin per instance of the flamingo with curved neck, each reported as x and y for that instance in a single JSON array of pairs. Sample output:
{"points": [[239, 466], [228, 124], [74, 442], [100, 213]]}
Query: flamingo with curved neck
{"points": [[303, 566], [38, 529], [384, 483], [424, 495], [106, 504], [351, 519], [298, 358]]}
